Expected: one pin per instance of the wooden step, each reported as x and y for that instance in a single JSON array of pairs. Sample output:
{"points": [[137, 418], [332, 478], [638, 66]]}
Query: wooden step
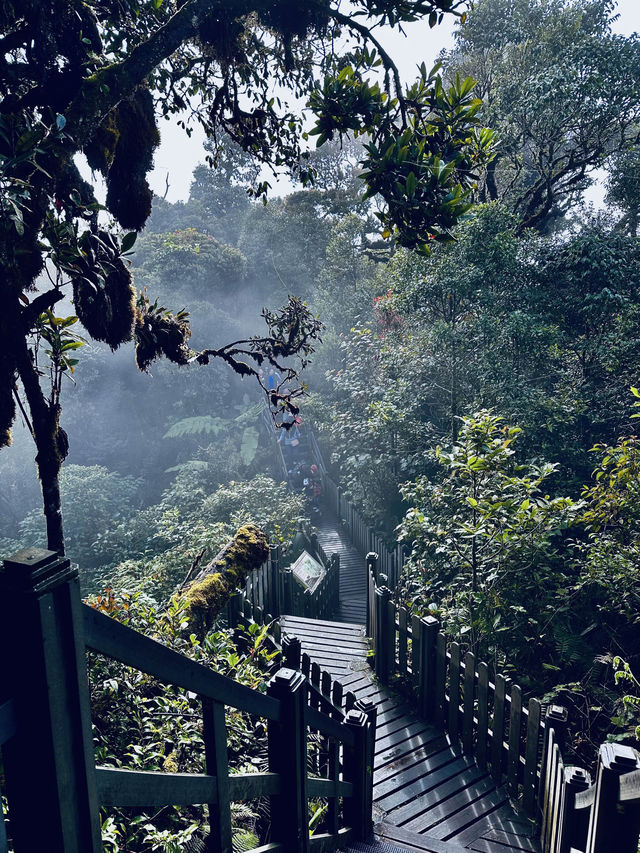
{"points": [[413, 842], [428, 796]]}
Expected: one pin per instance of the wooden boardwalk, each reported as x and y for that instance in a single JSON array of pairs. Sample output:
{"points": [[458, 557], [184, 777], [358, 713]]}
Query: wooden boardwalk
{"points": [[353, 573], [427, 795]]}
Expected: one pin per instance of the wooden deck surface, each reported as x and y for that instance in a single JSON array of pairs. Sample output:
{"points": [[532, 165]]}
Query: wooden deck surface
{"points": [[353, 577], [427, 795]]}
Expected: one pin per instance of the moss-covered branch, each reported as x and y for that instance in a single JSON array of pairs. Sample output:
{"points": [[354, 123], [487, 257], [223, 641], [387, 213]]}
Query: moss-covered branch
{"points": [[210, 590]]}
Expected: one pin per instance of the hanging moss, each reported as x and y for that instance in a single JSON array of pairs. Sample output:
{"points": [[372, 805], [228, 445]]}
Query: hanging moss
{"points": [[128, 193], [101, 148], [105, 304], [158, 332], [209, 592], [299, 19], [223, 35]]}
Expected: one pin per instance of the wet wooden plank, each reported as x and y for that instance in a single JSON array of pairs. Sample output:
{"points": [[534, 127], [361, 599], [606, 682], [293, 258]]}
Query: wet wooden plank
{"points": [[411, 800], [498, 841], [475, 810], [503, 818], [413, 842], [395, 791], [405, 746], [452, 798], [402, 762], [409, 730]]}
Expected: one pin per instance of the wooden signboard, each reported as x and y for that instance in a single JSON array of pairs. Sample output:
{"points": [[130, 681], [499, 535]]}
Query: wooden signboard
{"points": [[308, 571]]}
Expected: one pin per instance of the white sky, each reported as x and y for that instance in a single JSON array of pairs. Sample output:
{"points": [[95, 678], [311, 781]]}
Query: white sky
{"points": [[178, 154]]}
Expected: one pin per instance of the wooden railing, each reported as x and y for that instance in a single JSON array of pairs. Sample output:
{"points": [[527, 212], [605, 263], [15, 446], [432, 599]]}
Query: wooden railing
{"points": [[390, 559], [271, 591], [485, 715], [53, 787], [578, 815], [329, 695]]}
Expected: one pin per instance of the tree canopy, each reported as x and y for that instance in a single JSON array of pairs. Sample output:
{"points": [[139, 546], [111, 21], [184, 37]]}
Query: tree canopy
{"points": [[92, 78], [561, 91]]}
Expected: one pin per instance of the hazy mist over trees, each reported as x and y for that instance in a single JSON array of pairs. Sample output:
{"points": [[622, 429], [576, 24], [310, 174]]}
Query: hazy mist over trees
{"points": [[475, 388]]}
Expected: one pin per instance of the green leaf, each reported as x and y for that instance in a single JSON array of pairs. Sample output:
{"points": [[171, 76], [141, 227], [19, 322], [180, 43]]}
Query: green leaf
{"points": [[249, 447], [128, 241], [196, 426]]}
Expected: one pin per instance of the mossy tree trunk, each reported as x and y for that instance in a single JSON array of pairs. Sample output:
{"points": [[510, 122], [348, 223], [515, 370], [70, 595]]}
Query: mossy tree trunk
{"points": [[208, 593], [43, 422]]}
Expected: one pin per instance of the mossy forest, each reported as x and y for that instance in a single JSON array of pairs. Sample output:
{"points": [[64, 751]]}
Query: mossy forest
{"points": [[445, 292]]}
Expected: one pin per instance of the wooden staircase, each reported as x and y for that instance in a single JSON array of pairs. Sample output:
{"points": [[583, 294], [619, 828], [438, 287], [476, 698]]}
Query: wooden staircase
{"points": [[353, 572], [427, 795]]}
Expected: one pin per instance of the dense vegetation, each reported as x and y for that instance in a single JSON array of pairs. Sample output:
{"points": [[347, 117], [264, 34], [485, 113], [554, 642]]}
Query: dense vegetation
{"points": [[477, 399], [482, 406]]}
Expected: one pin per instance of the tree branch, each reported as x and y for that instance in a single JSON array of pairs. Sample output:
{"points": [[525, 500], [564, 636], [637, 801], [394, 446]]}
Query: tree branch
{"points": [[31, 313], [389, 64], [104, 90]]}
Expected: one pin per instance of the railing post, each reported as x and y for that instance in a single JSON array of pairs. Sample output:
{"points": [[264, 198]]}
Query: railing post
{"points": [[551, 779], [287, 592], [555, 718], [335, 582], [48, 764], [274, 561], [308, 605], [372, 559], [607, 821], [532, 743], [291, 652], [393, 573], [573, 824], [385, 635], [214, 733], [355, 771], [371, 712], [429, 626], [313, 542], [288, 758]]}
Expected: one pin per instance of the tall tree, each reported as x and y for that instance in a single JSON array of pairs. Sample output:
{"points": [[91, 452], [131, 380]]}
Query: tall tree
{"points": [[561, 91], [91, 77], [623, 188]]}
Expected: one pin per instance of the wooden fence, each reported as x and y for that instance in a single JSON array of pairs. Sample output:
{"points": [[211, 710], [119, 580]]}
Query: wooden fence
{"points": [[53, 787], [271, 591], [485, 715], [390, 560], [596, 817]]}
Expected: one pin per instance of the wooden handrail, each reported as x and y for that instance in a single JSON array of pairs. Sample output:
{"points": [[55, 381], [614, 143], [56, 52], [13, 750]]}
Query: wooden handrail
{"points": [[115, 640], [629, 787], [488, 719], [588, 817], [49, 695], [8, 721]]}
